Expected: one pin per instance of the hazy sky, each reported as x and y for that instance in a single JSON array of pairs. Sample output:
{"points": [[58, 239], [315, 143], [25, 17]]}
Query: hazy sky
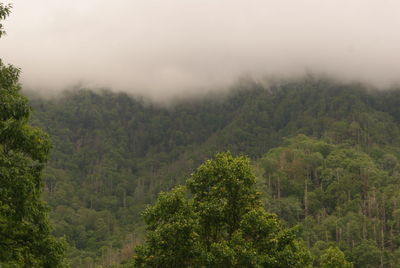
{"points": [[164, 48]]}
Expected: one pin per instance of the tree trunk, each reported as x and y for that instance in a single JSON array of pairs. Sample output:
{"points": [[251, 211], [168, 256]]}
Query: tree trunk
{"points": [[305, 198]]}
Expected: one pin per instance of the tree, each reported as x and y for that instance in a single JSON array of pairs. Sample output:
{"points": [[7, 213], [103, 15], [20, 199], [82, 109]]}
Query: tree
{"points": [[333, 257], [4, 12], [223, 224], [366, 254], [25, 239]]}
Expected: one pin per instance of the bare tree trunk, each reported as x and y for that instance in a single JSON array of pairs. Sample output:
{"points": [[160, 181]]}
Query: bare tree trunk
{"points": [[382, 244], [364, 228], [305, 198], [279, 188], [269, 181]]}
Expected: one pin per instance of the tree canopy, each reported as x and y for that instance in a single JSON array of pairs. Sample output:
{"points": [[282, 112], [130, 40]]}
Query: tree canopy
{"points": [[334, 258], [222, 224], [25, 238], [113, 153]]}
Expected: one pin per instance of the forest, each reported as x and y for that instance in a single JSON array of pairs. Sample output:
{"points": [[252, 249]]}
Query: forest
{"points": [[325, 155], [300, 172]]}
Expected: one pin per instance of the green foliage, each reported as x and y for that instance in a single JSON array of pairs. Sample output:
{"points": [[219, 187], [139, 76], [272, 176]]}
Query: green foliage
{"points": [[4, 12], [25, 238], [223, 192], [114, 153], [171, 238], [222, 225], [334, 258], [346, 197], [367, 254]]}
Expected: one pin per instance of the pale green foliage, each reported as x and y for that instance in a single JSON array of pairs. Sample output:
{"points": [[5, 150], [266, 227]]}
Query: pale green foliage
{"points": [[333, 257], [222, 225], [338, 194]]}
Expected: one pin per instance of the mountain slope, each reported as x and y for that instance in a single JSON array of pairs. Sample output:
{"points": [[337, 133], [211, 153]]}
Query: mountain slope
{"points": [[113, 153]]}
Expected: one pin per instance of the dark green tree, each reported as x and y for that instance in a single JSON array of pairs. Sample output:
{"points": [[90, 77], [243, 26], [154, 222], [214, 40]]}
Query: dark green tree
{"points": [[222, 225], [25, 239]]}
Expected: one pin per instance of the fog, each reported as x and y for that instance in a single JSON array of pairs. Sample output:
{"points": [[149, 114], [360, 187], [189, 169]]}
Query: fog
{"points": [[163, 49]]}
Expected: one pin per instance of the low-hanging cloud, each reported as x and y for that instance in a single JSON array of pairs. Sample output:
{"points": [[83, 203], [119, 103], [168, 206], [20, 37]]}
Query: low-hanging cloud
{"points": [[164, 49]]}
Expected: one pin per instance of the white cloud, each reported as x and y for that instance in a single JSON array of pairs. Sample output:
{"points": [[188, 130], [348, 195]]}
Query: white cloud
{"points": [[166, 48]]}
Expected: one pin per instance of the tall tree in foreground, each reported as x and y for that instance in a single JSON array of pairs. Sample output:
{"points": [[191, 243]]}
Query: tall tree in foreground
{"points": [[25, 239], [222, 225]]}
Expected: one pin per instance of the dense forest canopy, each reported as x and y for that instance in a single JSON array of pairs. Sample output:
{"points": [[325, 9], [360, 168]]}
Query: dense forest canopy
{"points": [[113, 153], [299, 173], [223, 225]]}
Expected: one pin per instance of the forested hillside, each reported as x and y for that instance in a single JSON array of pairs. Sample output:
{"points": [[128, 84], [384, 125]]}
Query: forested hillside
{"points": [[326, 155]]}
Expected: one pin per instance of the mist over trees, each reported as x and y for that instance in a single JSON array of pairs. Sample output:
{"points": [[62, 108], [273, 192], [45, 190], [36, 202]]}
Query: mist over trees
{"points": [[300, 173], [166, 49], [114, 153]]}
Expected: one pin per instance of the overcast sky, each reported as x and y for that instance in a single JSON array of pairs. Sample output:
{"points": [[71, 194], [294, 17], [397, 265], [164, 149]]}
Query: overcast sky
{"points": [[164, 48]]}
